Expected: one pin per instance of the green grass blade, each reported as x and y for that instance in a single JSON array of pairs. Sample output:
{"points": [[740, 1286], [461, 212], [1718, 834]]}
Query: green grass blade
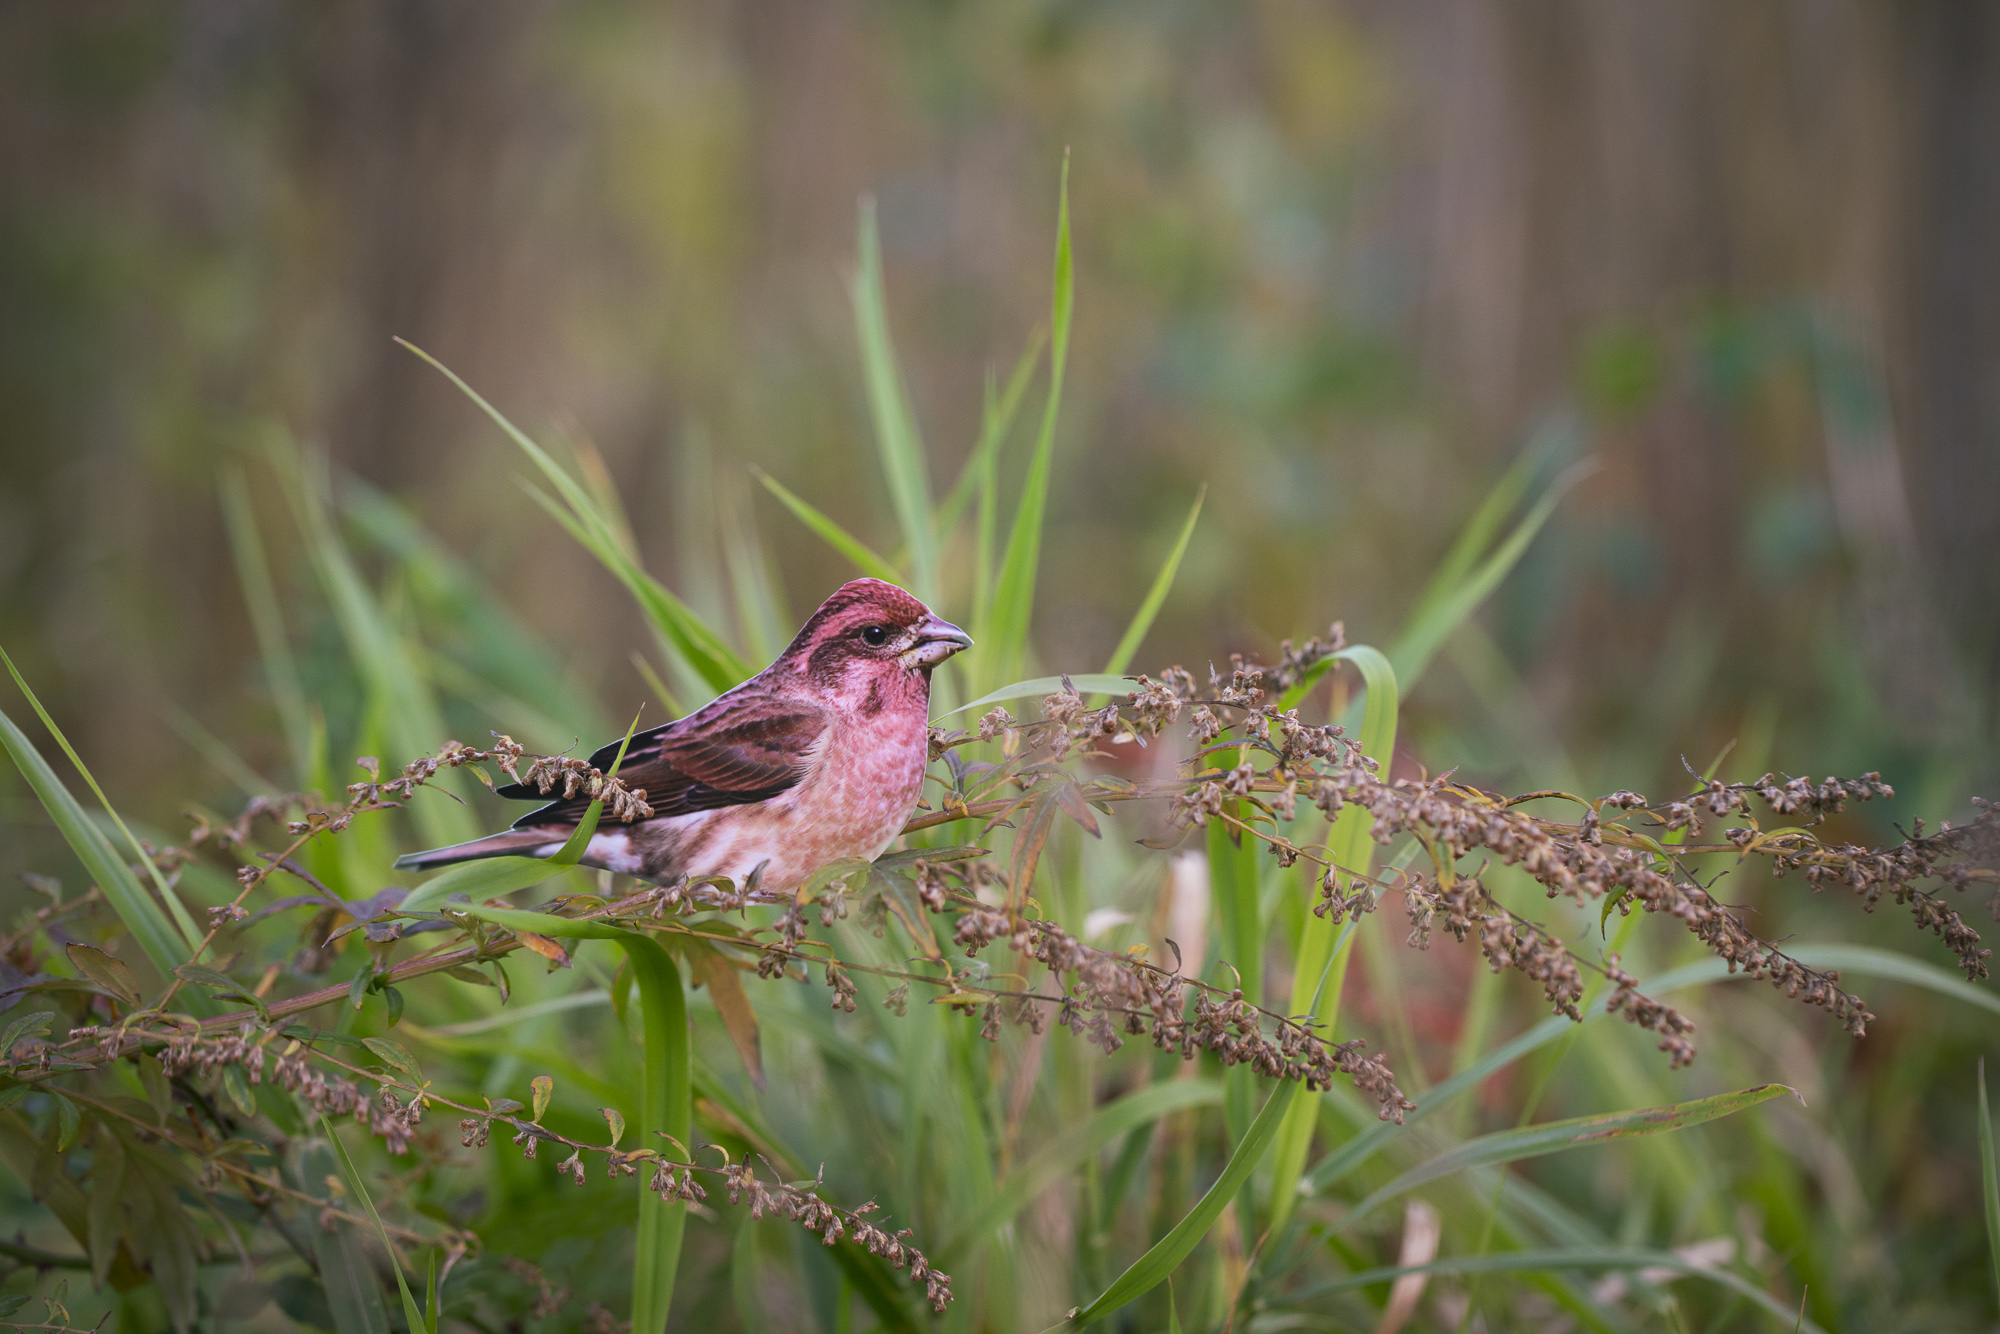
{"points": [[895, 425], [1508, 1146], [490, 643], [1626, 1258], [1074, 1146], [267, 620], [1858, 960], [353, 1293], [1014, 589], [764, 626], [668, 1102], [1989, 1180], [1153, 1268], [1440, 613], [390, 673], [149, 926], [1135, 634], [601, 535], [996, 422], [857, 552], [667, 1106], [359, 1189], [1324, 951], [1086, 684]]}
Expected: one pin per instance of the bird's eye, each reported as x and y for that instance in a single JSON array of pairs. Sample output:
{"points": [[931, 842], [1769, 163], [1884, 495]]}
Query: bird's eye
{"points": [[875, 636]]}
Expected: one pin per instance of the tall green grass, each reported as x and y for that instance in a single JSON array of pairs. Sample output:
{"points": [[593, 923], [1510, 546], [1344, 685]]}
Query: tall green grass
{"points": [[1047, 1178]]}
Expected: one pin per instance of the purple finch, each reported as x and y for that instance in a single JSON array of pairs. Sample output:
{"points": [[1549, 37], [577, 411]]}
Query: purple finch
{"points": [[819, 756]]}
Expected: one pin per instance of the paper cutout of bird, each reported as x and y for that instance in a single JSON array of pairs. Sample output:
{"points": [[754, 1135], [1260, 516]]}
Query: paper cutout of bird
{"points": [[819, 756]]}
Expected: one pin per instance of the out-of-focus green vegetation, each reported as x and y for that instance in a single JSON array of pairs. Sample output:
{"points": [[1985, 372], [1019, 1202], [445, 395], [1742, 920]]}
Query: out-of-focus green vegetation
{"points": [[1368, 277]]}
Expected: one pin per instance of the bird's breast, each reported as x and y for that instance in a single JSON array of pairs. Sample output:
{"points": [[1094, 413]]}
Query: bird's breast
{"points": [[861, 787]]}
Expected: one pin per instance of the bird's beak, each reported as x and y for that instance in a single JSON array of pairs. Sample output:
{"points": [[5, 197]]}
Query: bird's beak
{"points": [[936, 640]]}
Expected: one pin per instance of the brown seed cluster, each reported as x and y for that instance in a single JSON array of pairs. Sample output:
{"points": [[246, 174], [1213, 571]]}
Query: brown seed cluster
{"points": [[807, 1209]]}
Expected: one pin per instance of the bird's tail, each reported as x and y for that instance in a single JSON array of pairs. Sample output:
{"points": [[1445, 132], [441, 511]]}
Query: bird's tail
{"points": [[506, 843]]}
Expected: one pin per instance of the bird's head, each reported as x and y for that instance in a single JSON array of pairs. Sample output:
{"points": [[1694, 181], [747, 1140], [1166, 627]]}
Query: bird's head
{"points": [[869, 634]]}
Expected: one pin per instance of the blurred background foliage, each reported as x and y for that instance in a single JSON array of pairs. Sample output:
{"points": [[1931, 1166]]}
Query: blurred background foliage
{"points": [[1340, 262]]}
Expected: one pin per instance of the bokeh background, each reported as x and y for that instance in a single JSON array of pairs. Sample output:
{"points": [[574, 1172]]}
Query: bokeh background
{"points": [[1340, 262]]}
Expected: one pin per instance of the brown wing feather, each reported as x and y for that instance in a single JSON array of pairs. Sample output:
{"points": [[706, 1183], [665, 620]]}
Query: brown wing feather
{"points": [[746, 747]]}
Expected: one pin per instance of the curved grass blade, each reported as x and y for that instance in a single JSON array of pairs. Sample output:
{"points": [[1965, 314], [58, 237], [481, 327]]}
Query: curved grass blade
{"points": [[995, 423], [1566, 1258], [1135, 634], [889, 404], [705, 650], [1086, 684], [1323, 958], [1075, 1145], [267, 620], [163, 945], [1989, 1180], [1153, 1268], [359, 1188], [1508, 1146], [856, 551], [1014, 589], [1857, 959], [1444, 607], [353, 1293], [382, 654]]}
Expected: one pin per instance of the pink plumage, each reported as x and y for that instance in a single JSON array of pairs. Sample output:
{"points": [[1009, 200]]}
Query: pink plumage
{"points": [[819, 756]]}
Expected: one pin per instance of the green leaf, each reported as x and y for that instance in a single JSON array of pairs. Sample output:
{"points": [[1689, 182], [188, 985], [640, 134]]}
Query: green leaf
{"points": [[1324, 951], [1544, 1260], [1508, 1146], [107, 970], [1152, 1268], [1014, 590], [162, 944], [1086, 684], [395, 1054], [27, 1026], [207, 977], [889, 405], [13, 1094], [69, 1118], [615, 1119], [393, 1000], [832, 533], [237, 1086], [1075, 1145], [1989, 1179], [1135, 633], [490, 877], [544, 1089], [107, 1216]]}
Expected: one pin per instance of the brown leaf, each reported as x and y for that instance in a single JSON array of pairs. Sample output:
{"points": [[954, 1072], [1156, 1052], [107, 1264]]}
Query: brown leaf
{"points": [[107, 970], [557, 956], [1074, 806], [710, 967]]}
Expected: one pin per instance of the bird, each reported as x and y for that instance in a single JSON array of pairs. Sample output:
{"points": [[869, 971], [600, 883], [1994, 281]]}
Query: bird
{"points": [[818, 757]]}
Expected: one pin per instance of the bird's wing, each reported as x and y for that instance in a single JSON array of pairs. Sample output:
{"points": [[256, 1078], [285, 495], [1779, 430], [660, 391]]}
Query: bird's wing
{"points": [[748, 746]]}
